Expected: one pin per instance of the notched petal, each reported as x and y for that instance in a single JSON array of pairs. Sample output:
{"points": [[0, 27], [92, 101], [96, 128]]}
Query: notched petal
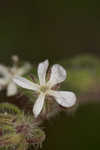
{"points": [[58, 75], [26, 83], [64, 98], [42, 70], [38, 105]]}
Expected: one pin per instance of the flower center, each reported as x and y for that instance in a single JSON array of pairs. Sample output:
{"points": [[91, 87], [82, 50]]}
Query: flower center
{"points": [[44, 89]]}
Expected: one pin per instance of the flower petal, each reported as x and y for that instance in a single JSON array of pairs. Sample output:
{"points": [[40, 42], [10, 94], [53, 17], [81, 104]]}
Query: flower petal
{"points": [[4, 70], [58, 75], [5, 76], [38, 105], [42, 69], [26, 83], [64, 98], [12, 89], [24, 69]]}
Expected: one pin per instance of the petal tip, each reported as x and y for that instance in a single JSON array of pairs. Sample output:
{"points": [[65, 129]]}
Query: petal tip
{"points": [[35, 113], [46, 61], [74, 98]]}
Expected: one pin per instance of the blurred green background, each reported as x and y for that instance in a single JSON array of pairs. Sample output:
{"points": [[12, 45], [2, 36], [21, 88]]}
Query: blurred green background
{"points": [[57, 30], [51, 28]]}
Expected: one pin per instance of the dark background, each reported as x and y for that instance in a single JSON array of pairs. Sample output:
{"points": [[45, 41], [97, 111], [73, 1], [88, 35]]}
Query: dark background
{"points": [[53, 29]]}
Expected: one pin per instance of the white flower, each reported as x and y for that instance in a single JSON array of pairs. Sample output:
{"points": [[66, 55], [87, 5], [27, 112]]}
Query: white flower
{"points": [[8, 73], [45, 88]]}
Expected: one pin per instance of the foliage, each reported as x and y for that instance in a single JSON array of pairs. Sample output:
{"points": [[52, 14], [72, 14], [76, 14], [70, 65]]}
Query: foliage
{"points": [[18, 130], [83, 73]]}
